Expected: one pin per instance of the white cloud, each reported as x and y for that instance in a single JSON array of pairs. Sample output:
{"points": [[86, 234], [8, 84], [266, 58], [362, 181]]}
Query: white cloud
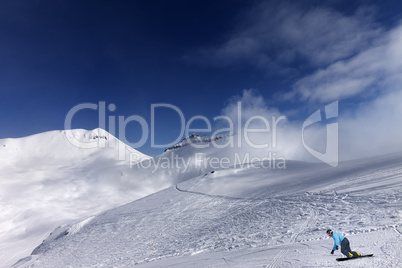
{"points": [[371, 69], [252, 104], [276, 34], [373, 128], [367, 129], [283, 137], [372, 80], [355, 60]]}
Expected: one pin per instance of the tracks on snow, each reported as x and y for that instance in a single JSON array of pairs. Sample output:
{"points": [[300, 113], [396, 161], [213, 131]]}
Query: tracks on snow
{"points": [[300, 218], [311, 219], [209, 195], [395, 227]]}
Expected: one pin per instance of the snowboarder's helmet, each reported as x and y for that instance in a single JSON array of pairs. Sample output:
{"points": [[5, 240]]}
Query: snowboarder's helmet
{"points": [[329, 231]]}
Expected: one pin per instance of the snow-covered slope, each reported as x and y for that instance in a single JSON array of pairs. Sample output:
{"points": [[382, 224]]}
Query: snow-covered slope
{"points": [[57, 177], [245, 216], [198, 140], [196, 155], [45, 180]]}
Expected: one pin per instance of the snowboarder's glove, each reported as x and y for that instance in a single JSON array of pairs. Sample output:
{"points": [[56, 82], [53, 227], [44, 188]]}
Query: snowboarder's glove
{"points": [[332, 251], [337, 247]]}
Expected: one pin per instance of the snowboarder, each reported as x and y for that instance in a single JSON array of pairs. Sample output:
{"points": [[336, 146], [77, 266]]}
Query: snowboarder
{"points": [[340, 240]]}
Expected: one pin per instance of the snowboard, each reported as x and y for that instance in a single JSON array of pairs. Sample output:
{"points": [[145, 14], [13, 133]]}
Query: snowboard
{"points": [[351, 258]]}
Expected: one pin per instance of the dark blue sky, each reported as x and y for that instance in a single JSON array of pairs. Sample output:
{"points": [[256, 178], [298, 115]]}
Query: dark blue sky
{"points": [[192, 54]]}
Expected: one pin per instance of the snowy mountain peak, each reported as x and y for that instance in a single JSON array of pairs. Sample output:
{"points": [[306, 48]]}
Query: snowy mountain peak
{"points": [[98, 136], [198, 139], [97, 133], [62, 175], [65, 145], [88, 136]]}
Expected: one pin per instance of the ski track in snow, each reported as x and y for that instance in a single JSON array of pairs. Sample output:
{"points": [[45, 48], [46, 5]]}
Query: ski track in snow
{"points": [[181, 236], [178, 227]]}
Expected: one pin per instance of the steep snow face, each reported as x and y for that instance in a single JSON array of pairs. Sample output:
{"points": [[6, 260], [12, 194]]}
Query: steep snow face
{"points": [[61, 176], [245, 216], [262, 179], [198, 140], [197, 155], [57, 147], [45, 180]]}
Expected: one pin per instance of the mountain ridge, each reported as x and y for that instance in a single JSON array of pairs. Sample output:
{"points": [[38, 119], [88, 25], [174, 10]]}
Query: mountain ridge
{"points": [[47, 180], [179, 226]]}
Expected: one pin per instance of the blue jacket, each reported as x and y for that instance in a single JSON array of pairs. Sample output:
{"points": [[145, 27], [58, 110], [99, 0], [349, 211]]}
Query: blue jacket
{"points": [[337, 239]]}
